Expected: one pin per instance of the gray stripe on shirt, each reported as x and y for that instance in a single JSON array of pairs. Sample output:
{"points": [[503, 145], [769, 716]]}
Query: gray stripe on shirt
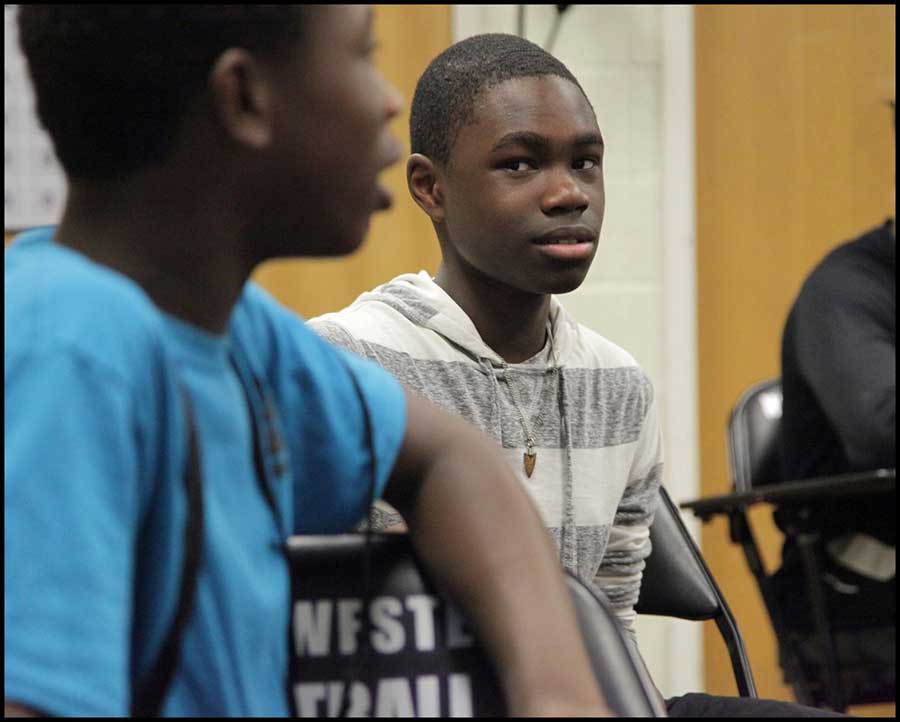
{"points": [[620, 397], [639, 501], [591, 543]]}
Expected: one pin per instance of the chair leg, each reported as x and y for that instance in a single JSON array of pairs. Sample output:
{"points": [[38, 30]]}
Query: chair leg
{"points": [[742, 533], [834, 691]]}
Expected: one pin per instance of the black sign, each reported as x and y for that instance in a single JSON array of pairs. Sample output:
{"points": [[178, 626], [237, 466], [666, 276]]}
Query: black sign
{"points": [[396, 649]]}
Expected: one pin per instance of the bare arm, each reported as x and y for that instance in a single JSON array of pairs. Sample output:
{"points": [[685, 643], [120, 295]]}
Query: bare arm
{"points": [[478, 533]]}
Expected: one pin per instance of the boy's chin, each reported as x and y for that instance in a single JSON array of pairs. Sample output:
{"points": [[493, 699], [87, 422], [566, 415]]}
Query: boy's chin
{"points": [[332, 246], [565, 283], [349, 244], [346, 238]]}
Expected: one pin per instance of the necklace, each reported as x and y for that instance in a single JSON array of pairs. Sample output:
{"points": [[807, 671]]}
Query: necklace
{"points": [[529, 458]]}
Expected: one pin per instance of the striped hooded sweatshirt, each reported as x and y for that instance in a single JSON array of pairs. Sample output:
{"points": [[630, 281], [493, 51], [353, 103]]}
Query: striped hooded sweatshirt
{"points": [[584, 401]]}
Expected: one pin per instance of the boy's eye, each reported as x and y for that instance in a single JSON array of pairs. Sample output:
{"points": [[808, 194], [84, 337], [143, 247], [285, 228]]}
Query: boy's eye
{"points": [[518, 166], [586, 163]]}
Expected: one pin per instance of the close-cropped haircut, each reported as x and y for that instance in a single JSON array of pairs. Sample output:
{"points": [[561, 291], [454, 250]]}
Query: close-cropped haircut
{"points": [[113, 81], [444, 100]]}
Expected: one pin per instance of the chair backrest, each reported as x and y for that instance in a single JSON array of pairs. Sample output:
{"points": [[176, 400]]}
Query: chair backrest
{"points": [[753, 436], [677, 583], [412, 653]]}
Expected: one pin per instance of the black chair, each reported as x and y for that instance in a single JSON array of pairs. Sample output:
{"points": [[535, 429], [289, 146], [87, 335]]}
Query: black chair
{"points": [[677, 583], [411, 654], [811, 659], [753, 426]]}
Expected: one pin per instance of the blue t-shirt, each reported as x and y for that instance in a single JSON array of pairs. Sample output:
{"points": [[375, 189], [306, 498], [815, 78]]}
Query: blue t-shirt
{"points": [[95, 509]]}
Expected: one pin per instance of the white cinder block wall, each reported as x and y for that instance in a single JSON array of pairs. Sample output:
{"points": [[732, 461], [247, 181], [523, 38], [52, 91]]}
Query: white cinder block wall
{"points": [[636, 65]]}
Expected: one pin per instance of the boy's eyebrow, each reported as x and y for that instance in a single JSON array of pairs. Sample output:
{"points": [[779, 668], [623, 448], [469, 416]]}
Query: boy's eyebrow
{"points": [[537, 142], [530, 140], [589, 139]]}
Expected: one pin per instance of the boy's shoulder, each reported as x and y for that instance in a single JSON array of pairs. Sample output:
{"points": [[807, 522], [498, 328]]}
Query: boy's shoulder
{"points": [[587, 348], [593, 353], [57, 298], [366, 323], [851, 271], [389, 316], [276, 335]]}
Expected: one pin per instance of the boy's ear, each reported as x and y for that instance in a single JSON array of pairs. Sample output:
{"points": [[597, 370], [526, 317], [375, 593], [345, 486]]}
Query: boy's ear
{"points": [[425, 183], [242, 98]]}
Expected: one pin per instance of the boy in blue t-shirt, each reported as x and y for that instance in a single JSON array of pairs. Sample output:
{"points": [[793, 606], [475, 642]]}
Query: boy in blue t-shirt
{"points": [[200, 141]]}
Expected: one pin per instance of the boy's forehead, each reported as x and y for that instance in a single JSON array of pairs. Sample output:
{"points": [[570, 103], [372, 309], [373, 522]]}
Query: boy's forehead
{"points": [[548, 104]]}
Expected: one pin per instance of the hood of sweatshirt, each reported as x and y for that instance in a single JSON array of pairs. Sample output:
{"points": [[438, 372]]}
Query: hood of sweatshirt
{"points": [[425, 303]]}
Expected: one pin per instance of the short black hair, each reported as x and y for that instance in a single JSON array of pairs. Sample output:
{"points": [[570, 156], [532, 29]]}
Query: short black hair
{"points": [[444, 100], [112, 81]]}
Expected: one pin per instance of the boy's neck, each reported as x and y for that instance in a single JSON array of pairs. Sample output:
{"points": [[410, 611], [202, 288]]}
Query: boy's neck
{"points": [[511, 322], [186, 260]]}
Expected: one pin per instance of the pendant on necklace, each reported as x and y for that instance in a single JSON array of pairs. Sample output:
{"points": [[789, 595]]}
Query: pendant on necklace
{"points": [[529, 457]]}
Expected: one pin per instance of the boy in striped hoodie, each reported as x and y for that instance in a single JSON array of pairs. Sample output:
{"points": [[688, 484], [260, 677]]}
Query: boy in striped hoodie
{"points": [[507, 163], [516, 197]]}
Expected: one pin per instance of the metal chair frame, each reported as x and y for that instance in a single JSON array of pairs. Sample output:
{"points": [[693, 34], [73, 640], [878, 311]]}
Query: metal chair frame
{"points": [[678, 583]]}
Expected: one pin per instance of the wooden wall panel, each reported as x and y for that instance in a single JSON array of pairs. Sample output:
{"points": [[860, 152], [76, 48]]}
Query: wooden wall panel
{"points": [[795, 154], [402, 239]]}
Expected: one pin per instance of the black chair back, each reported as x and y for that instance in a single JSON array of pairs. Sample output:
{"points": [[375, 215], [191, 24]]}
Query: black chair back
{"points": [[411, 654], [677, 583], [753, 436]]}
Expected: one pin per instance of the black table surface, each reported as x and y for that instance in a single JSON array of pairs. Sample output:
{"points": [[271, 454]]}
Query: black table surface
{"points": [[880, 481]]}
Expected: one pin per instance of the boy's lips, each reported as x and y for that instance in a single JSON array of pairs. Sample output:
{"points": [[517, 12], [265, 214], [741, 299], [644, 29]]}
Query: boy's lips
{"points": [[567, 251], [567, 235], [568, 243]]}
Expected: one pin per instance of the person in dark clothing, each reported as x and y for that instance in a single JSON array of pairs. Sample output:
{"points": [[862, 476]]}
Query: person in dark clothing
{"points": [[838, 416], [839, 406], [839, 362]]}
